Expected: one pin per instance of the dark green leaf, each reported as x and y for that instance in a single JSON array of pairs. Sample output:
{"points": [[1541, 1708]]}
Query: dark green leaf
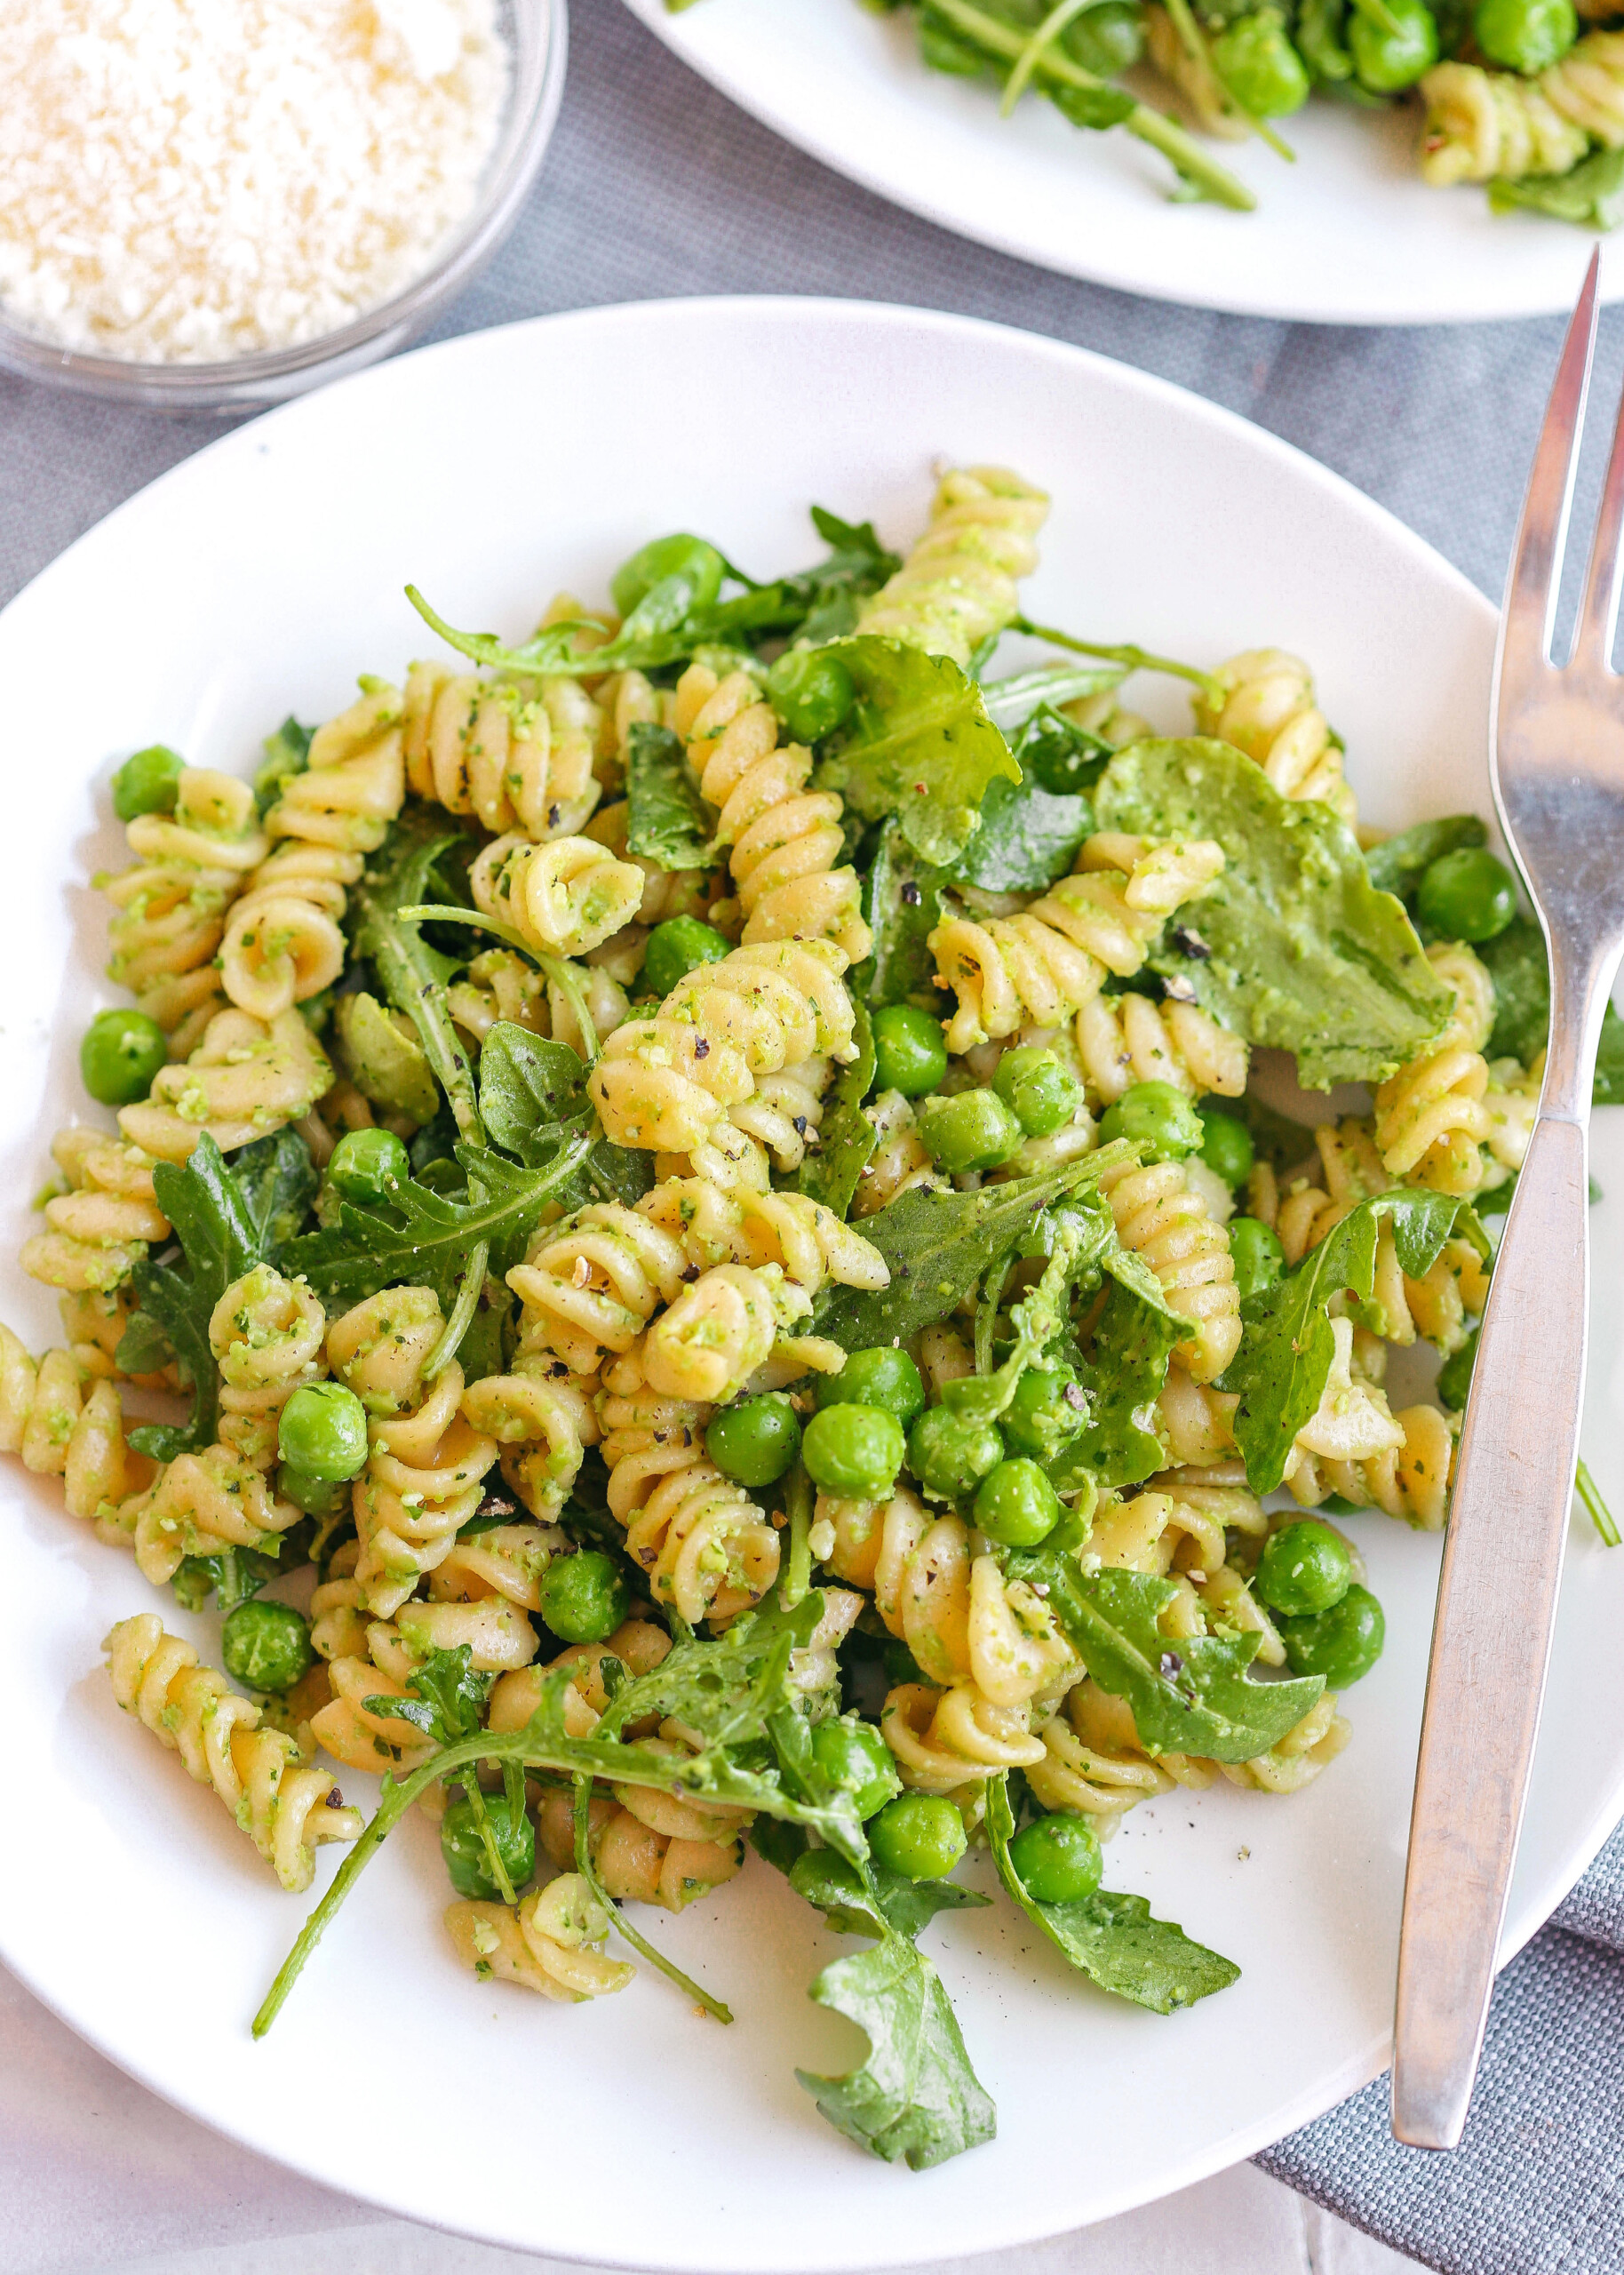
{"points": [[846, 1137], [1028, 838], [668, 821], [143, 1348], [1592, 195], [219, 1242], [1132, 1342], [1518, 964], [447, 1701], [1455, 1375], [1285, 1359], [286, 752], [1191, 1695], [867, 1903], [532, 1092], [233, 1576], [918, 744], [1113, 1939], [1305, 955], [413, 973], [939, 1245], [1397, 865], [1061, 755], [277, 1180], [903, 908]]}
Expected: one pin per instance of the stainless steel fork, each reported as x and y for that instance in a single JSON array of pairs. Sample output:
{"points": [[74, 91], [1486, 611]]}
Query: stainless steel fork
{"points": [[1556, 757]]}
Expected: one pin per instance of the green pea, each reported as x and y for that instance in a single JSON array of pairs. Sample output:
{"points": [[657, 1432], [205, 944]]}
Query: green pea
{"points": [[1160, 1120], [690, 558], [1343, 1644], [1049, 1408], [853, 1756], [1466, 894], [1017, 1505], [755, 1441], [584, 1597], [880, 1377], [324, 1432], [918, 1836], [675, 947], [974, 1129], [1304, 1568], [266, 1646], [1389, 59], [1058, 1859], [1043, 1094], [120, 1056], [1259, 65], [317, 1497], [910, 1053], [1107, 38], [854, 1451], [1526, 35], [812, 693], [1256, 1254], [1226, 1145], [950, 1453], [368, 1165], [465, 1860], [148, 782]]}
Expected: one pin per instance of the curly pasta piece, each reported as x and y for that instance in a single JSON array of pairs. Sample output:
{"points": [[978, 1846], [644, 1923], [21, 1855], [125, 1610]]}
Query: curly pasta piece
{"points": [[1161, 1218], [958, 584], [667, 1083], [515, 762], [543, 1420], [285, 1808], [1409, 1479], [1297, 1758], [421, 1483], [63, 1426], [1431, 1121], [547, 1942], [899, 1163], [104, 1224], [170, 908], [201, 1504], [283, 943], [637, 1863], [592, 1283], [502, 986], [943, 1739], [561, 897], [1269, 714], [807, 1242], [246, 1078], [785, 838], [1122, 1040], [1097, 1781], [666, 892], [1195, 1422], [1498, 126], [716, 1334], [371, 1661], [266, 1334], [1039, 968]]}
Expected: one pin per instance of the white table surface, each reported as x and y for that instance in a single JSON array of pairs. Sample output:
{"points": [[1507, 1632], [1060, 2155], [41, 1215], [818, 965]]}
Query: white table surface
{"points": [[95, 2174]]}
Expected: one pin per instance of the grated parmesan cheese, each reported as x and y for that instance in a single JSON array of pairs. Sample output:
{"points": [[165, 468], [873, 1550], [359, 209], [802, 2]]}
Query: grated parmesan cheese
{"points": [[191, 180]]}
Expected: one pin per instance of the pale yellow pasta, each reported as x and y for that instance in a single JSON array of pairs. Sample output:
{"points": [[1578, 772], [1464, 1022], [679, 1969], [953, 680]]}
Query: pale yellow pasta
{"points": [[808, 1242], [1296, 1759], [636, 1863], [1431, 1121], [1268, 712], [942, 1740], [1495, 126], [499, 985], [546, 1943], [1158, 1216], [958, 584], [170, 906], [65, 1426], [266, 1334], [380, 1346], [283, 1806], [283, 941], [544, 1420], [104, 1224], [591, 1284], [514, 761], [899, 1163], [1126, 1039], [245, 1079], [201, 1504], [423, 1482], [561, 897], [1407, 1479]]}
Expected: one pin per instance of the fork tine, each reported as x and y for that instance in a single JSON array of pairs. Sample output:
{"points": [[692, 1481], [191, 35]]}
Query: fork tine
{"points": [[1534, 584], [1598, 616]]}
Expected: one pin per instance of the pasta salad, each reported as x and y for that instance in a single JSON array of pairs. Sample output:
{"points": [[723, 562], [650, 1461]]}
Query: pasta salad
{"points": [[694, 1256]]}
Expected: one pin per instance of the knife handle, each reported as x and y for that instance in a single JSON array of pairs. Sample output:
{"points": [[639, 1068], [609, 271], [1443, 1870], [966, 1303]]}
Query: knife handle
{"points": [[1490, 1639]]}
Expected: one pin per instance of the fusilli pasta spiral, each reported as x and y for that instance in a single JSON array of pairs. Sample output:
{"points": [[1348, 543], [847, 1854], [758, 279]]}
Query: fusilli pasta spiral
{"points": [[63, 1427], [246, 1078], [1496, 125], [1162, 1218], [106, 1221], [501, 986], [958, 584], [547, 1942], [266, 1334], [900, 1162], [809, 1243], [1431, 1121], [561, 897], [1126, 1039], [1269, 713], [515, 762], [422, 1482], [592, 1283]]}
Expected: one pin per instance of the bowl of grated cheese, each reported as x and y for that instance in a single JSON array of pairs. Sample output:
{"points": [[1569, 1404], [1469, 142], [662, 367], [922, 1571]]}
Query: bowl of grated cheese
{"points": [[215, 204]]}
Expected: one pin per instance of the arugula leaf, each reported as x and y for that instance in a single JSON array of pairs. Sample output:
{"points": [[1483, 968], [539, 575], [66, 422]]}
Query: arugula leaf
{"points": [[1028, 838], [1591, 194], [916, 2097], [1454, 1382], [1516, 962], [1134, 1340], [532, 1092], [1303, 955], [1286, 1354], [939, 1245], [447, 1698], [429, 1238], [904, 897], [277, 1181], [414, 975], [1187, 1696], [1398, 864], [846, 1137], [233, 1575], [1028, 700], [286, 752], [918, 744], [1113, 1939], [219, 1242], [1076, 1238], [668, 822]]}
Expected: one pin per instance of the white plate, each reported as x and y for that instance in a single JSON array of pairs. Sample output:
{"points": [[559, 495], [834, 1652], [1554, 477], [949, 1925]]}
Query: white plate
{"points": [[1348, 235], [261, 576]]}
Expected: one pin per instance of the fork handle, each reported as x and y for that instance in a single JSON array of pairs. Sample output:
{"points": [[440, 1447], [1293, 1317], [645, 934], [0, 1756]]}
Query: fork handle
{"points": [[1491, 1640]]}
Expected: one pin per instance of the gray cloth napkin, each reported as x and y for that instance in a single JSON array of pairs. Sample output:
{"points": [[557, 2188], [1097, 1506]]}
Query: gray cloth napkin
{"points": [[655, 186]]}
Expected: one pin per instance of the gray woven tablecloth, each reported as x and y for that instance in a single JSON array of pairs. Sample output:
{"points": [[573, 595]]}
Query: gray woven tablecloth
{"points": [[656, 187]]}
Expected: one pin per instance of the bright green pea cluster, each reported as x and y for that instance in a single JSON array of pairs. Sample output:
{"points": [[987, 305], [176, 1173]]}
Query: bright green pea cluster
{"points": [[1329, 1624]]}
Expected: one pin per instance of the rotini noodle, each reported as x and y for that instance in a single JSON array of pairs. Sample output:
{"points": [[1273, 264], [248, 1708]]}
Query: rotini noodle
{"points": [[1126, 1039], [1269, 714], [515, 762], [958, 584], [546, 1943], [562, 896], [104, 1224], [1163, 1220], [246, 1078], [1431, 1121], [1496, 125]]}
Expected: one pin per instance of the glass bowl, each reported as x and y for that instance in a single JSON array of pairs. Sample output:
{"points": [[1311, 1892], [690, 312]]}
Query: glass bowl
{"points": [[537, 33]]}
